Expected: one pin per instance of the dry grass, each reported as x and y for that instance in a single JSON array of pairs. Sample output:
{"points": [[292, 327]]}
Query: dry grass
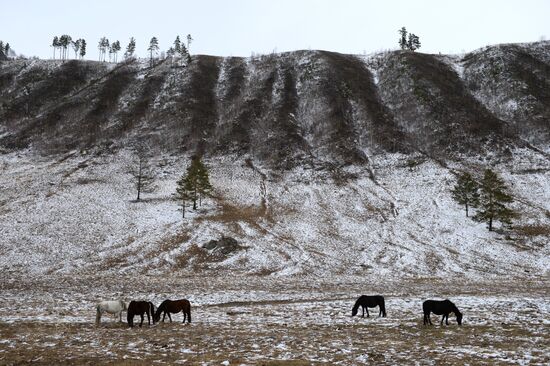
{"points": [[505, 323], [533, 230], [266, 343]]}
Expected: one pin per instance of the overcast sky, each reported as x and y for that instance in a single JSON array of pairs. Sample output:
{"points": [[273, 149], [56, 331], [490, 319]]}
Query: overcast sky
{"points": [[240, 27]]}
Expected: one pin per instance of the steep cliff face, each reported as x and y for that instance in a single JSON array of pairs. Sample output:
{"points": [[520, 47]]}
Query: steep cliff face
{"points": [[300, 107]]}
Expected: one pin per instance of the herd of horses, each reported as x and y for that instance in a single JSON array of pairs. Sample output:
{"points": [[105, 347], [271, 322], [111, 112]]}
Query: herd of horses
{"points": [[143, 308], [168, 307]]}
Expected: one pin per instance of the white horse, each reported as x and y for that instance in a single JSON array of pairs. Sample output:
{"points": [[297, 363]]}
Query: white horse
{"points": [[115, 307]]}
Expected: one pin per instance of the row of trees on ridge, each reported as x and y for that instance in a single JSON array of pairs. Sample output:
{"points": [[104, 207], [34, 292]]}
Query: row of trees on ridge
{"points": [[61, 44]]}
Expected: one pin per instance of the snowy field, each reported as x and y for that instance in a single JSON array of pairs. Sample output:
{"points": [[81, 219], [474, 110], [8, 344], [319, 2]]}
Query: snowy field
{"points": [[269, 321], [72, 234]]}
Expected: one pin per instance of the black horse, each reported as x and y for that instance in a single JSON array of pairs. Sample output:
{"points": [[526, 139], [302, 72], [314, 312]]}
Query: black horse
{"points": [[367, 302], [174, 306], [444, 308], [140, 308]]}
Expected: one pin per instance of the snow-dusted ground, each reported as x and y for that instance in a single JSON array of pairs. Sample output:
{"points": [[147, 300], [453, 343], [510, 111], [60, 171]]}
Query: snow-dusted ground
{"points": [[77, 213], [255, 320]]}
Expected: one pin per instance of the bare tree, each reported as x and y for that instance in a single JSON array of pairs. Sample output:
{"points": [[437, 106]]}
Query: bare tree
{"points": [[144, 177]]}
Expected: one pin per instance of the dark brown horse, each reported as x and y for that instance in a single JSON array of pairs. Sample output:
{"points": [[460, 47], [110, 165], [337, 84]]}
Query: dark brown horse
{"points": [[367, 302], [444, 308], [140, 308], [170, 306]]}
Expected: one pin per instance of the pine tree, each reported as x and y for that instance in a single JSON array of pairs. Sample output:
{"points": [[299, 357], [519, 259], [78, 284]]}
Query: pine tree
{"points": [[195, 184], [103, 46], [118, 47], [413, 42], [492, 201], [153, 48], [465, 192], [182, 195], [82, 48], [76, 47], [403, 38], [189, 40], [64, 41], [55, 45], [7, 49], [131, 48], [144, 177], [177, 45], [113, 51]]}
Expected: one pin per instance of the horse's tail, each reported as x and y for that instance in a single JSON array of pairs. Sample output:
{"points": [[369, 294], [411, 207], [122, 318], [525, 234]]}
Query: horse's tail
{"points": [[98, 314], [189, 314], [383, 306]]}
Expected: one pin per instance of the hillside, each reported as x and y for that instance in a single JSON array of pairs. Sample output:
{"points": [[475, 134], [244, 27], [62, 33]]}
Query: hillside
{"points": [[357, 155]]}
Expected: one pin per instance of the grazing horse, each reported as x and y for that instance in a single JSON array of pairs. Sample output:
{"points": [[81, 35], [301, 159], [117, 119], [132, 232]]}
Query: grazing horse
{"points": [[140, 308], [115, 307], [367, 302], [444, 308], [169, 306]]}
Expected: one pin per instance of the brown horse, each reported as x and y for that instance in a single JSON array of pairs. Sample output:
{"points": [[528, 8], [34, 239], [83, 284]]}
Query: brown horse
{"points": [[140, 308], [169, 306]]}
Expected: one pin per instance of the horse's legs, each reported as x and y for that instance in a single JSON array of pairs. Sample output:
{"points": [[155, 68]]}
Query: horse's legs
{"points": [[148, 318], [447, 319], [170, 317], [141, 315], [184, 316], [189, 316], [367, 312], [163, 316], [427, 319], [98, 317]]}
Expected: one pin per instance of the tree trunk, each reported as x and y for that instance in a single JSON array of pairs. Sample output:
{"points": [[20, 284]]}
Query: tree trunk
{"points": [[139, 181], [466, 209], [490, 224]]}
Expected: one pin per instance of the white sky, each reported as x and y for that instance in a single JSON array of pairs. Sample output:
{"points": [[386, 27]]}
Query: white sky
{"points": [[240, 27]]}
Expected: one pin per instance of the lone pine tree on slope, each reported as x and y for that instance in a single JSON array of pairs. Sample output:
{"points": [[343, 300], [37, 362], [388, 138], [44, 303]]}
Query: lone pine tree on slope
{"points": [[193, 185], [492, 201], [465, 192]]}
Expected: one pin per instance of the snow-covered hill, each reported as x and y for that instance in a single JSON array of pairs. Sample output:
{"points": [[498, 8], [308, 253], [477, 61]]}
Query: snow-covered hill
{"points": [[77, 213], [331, 137]]}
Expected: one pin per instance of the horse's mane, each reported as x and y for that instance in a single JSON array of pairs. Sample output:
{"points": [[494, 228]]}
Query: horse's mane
{"points": [[454, 309]]}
